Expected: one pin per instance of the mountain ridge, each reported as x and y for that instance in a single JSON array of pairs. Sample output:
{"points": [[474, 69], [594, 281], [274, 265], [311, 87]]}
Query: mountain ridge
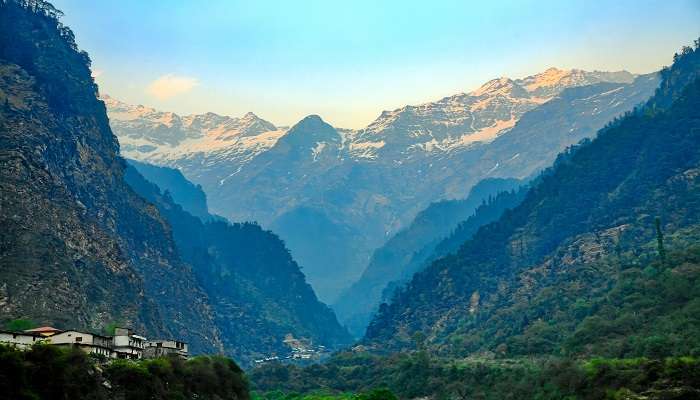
{"points": [[402, 255]]}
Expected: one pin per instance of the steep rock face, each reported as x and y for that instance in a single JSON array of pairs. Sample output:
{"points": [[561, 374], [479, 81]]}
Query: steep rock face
{"points": [[350, 191], [598, 202], [252, 282], [58, 264], [80, 248]]}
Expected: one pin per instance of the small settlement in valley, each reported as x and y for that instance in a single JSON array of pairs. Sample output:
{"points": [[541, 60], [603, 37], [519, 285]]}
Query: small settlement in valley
{"points": [[123, 344]]}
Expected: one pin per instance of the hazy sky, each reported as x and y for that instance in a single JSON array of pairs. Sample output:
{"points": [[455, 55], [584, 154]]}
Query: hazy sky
{"points": [[349, 60]]}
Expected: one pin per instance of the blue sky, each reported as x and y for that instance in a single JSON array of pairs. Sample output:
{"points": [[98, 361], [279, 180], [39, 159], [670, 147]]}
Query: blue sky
{"points": [[349, 60]]}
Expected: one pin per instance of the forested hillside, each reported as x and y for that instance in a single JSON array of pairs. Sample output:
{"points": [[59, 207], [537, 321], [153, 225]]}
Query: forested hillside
{"points": [[640, 313], [531, 281]]}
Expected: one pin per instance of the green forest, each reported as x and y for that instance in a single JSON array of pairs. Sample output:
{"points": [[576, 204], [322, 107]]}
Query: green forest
{"points": [[48, 372], [635, 332]]}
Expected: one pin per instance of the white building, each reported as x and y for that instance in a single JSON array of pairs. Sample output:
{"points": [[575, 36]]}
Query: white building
{"points": [[20, 340], [128, 345], [88, 342]]}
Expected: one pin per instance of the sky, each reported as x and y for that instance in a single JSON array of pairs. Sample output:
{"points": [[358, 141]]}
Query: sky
{"points": [[347, 61]]}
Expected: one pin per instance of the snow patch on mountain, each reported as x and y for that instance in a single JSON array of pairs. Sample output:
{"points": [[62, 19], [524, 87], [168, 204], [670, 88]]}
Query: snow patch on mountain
{"points": [[366, 150], [468, 119], [166, 138], [316, 151]]}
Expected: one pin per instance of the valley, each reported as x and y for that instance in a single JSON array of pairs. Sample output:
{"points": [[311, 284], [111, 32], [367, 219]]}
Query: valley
{"points": [[525, 238]]}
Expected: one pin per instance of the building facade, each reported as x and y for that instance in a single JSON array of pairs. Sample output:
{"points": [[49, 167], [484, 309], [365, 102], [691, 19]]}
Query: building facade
{"points": [[126, 344], [88, 342], [21, 340], [162, 348]]}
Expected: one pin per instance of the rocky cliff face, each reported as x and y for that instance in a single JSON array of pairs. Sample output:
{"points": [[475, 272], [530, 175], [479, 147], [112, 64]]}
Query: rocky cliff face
{"points": [[79, 248]]}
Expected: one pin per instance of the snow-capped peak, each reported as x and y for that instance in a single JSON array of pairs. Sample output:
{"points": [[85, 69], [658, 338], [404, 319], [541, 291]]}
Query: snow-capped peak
{"points": [[475, 117], [163, 137], [502, 86]]}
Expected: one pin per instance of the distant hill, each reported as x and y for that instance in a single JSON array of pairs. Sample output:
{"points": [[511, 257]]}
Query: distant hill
{"points": [[406, 252], [185, 193]]}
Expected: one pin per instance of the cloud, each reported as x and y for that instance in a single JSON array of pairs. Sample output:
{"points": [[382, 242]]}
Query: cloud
{"points": [[171, 85], [96, 73]]}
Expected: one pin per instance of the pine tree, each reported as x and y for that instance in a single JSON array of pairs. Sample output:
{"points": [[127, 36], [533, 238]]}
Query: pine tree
{"points": [[660, 240]]}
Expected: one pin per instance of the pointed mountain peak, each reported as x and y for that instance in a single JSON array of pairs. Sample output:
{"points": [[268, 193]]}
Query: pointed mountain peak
{"points": [[312, 129], [553, 70], [312, 121], [496, 86], [313, 118], [551, 77], [255, 125]]}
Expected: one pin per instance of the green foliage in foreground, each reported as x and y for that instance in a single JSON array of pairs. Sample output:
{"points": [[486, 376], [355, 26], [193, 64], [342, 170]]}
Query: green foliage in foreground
{"points": [[417, 375], [373, 394], [48, 372]]}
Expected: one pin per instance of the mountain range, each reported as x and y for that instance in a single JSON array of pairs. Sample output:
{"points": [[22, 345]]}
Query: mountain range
{"points": [[586, 286], [533, 238], [349, 191]]}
